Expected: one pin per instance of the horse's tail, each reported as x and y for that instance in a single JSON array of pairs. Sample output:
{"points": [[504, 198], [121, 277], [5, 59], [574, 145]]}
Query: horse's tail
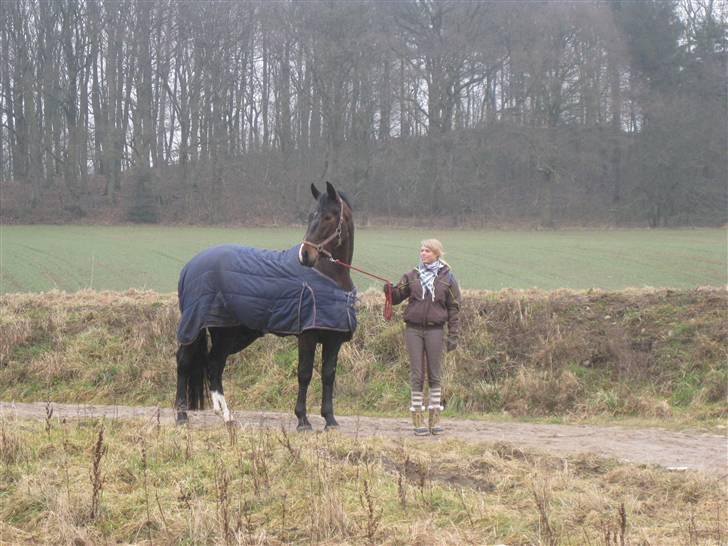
{"points": [[197, 385]]}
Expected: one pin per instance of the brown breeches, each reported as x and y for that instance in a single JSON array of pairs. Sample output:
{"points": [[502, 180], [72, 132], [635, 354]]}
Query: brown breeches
{"points": [[424, 346]]}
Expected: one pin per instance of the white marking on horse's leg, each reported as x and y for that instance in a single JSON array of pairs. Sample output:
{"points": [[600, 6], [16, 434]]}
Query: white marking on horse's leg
{"points": [[219, 405]]}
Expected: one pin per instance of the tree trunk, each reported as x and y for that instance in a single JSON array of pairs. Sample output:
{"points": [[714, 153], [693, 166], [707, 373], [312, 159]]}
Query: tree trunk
{"points": [[385, 101], [616, 130], [6, 100], [284, 99]]}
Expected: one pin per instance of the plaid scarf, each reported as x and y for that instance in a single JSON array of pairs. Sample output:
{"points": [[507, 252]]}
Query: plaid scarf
{"points": [[428, 273]]}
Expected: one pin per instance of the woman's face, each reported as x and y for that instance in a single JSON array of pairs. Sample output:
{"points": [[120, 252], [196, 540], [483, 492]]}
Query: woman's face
{"points": [[427, 255]]}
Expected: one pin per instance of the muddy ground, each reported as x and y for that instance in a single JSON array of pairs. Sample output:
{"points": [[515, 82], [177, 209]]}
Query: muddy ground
{"points": [[678, 451]]}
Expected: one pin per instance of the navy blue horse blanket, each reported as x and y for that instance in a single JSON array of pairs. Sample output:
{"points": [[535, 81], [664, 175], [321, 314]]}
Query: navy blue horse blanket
{"points": [[264, 290]]}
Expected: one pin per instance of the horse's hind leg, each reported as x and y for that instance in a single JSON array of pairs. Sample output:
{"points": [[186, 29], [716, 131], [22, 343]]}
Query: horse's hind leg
{"points": [[225, 341], [221, 345]]}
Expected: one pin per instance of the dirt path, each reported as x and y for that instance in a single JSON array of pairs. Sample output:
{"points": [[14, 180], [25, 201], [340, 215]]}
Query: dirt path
{"points": [[679, 451]]}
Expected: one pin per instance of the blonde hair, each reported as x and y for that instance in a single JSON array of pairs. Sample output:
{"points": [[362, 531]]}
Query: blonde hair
{"points": [[436, 246]]}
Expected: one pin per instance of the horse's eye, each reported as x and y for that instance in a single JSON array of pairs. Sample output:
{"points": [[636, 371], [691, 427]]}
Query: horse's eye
{"points": [[328, 217]]}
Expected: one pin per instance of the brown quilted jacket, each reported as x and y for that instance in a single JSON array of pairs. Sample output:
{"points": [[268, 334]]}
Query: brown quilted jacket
{"points": [[425, 312]]}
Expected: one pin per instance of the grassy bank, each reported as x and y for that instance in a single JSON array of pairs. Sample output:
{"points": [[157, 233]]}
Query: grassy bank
{"points": [[650, 355], [644, 355]]}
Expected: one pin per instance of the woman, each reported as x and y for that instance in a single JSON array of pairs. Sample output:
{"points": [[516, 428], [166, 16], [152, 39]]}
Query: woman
{"points": [[433, 300]]}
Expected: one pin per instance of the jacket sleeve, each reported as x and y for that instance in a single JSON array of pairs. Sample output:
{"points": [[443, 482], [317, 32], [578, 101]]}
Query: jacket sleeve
{"points": [[453, 311], [401, 290]]}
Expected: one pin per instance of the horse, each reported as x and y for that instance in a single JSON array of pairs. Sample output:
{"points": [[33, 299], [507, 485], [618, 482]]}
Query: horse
{"points": [[211, 304]]}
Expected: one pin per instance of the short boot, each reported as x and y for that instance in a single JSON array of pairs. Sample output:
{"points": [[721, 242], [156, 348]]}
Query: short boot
{"points": [[434, 421], [418, 420]]}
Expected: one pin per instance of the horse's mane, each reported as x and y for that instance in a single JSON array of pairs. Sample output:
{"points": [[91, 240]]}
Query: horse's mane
{"points": [[346, 199]]}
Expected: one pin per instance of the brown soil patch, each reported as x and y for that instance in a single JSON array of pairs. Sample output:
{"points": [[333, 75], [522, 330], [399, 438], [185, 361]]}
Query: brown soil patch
{"points": [[679, 451]]}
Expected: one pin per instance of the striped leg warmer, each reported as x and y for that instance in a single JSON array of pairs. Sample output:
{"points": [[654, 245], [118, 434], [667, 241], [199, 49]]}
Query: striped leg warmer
{"points": [[435, 395], [417, 399]]}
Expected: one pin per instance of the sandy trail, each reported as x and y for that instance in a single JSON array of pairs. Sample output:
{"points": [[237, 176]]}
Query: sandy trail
{"points": [[687, 450]]}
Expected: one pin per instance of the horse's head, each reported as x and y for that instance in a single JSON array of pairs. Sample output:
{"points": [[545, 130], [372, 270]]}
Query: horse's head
{"points": [[329, 227]]}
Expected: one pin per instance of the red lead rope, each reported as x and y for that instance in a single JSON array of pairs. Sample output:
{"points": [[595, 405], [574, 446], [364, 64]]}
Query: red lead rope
{"points": [[388, 302], [388, 293]]}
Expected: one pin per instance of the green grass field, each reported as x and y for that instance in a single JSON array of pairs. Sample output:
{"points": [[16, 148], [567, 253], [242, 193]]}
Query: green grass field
{"points": [[41, 258]]}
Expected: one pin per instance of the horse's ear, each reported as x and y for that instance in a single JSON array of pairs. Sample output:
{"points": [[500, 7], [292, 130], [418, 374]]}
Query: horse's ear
{"points": [[331, 191], [315, 192]]}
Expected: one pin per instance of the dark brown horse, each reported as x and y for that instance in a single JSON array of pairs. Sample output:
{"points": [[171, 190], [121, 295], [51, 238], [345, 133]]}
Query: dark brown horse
{"points": [[200, 365]]}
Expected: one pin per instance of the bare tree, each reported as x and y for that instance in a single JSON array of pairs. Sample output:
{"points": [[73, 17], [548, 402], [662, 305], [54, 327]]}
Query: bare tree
{"points": [[441, 42], [547, 112]]}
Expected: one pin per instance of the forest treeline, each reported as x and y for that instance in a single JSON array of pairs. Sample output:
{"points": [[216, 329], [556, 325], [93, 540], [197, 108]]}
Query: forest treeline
{"points": [[601, 112]]}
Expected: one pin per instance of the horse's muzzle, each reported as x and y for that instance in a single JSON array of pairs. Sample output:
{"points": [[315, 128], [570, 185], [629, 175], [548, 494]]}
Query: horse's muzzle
{"points": [[307, 255]]}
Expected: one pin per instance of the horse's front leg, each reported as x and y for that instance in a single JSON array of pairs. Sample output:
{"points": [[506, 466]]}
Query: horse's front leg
{"points": [[330, 355], [306, 354]]}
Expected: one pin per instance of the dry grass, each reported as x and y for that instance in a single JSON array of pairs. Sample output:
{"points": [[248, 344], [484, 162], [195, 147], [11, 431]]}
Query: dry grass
{"points": [[172, 485], [652, 354]]}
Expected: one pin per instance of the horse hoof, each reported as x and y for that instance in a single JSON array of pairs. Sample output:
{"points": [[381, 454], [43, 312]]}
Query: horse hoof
{"points": [[304, 428], [182, 418]]}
